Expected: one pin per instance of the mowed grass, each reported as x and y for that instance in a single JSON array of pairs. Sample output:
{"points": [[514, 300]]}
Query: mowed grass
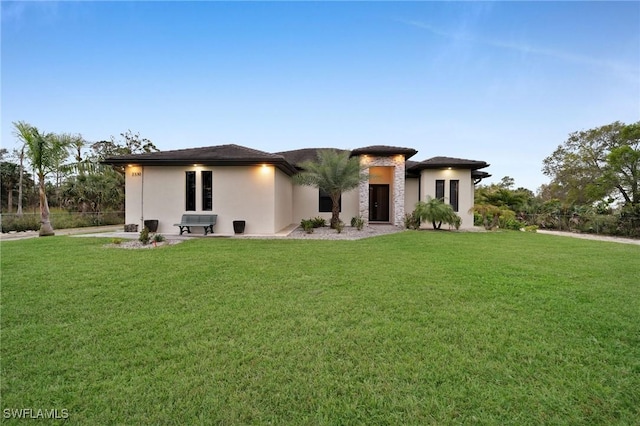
{"points": [[410, 328]]}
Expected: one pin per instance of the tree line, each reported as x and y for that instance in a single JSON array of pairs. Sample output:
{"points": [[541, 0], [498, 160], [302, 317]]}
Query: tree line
{"points": [[65, 171], [594, 187]]}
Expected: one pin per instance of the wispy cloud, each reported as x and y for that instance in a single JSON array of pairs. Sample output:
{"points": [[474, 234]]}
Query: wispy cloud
{"points": [[623, 70]]}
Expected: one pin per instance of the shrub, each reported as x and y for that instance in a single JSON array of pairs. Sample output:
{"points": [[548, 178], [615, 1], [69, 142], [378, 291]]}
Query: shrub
{"points": [[457, 221], [59, 220], [478, 219], [307, 225], [65, 220], [116, 241], [318, 222], [411, 220], [144, 236], [357, 222], [158, 238], [339, 226], [530, 228], [512, 224], [434, 210], [28, 222]]}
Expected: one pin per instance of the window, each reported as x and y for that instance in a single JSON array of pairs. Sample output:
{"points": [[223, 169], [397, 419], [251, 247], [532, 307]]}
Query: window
{"points": [[207, 190], [190, 204], [453, 194], [324, 202], [440, 189]]}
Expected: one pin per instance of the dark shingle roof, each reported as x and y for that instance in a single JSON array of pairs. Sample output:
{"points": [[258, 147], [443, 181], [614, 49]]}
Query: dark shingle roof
{"points": [[287, 161], [385, 150], [478, 175], [230, 155], [440, 162], [408, 172], [298, 156]]}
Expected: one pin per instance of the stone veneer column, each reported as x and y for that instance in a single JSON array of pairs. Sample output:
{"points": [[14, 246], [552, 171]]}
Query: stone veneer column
{"points": [[397, 190]]}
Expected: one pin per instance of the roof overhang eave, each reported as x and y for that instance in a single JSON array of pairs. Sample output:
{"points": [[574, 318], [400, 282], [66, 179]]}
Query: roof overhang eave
{"points": [[283, 165], [419, 167]]}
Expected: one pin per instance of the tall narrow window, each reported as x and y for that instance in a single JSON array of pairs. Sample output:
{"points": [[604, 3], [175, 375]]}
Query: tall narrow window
{"points": [[190, 204], [440, 189], [453, 194], [324, 202], [207, 190]]}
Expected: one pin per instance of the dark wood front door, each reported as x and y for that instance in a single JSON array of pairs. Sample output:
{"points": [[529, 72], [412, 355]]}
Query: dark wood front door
{"points": [[379, 203]]}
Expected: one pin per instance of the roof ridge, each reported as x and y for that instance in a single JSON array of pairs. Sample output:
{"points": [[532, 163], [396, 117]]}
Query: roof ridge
{"points": [[451, 158], [246, 148]]}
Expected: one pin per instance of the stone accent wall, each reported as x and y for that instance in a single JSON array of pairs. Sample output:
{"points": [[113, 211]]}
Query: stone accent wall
{"points": [[397, 186]]}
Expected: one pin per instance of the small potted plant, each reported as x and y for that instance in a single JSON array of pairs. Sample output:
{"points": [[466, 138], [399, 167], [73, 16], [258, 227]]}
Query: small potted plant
{"points": [[151, 225], [238, 226]]}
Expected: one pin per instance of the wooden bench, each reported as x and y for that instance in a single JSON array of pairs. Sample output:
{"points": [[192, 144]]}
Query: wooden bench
{"points": [[188, 220]]}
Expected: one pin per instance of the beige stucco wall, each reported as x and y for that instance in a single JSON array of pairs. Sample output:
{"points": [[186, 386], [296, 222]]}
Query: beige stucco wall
{"points": [[465, 196], [245, 193], [133, 193], [305, 204], [239, 193], [151, 193], [411, 192], [284, 200], [164, 195]]}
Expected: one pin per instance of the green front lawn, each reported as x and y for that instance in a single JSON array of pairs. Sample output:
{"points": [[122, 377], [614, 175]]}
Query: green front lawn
{"points": [[410, 328]]}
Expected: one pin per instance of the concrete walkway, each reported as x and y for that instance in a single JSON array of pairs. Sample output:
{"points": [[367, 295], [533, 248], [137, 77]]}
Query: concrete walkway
{"points": [[591, 237]]}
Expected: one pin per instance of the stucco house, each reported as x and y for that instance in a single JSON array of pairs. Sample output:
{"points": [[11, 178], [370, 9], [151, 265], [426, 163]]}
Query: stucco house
{"points": [[240, 183]]}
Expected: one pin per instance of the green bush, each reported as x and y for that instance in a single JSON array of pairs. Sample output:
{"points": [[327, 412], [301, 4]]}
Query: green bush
{"points": [[507, 220], [158, 238], [65, 220], [307, 225], [511, 223], [411, 220], [28, 222], [60, 220], [357, 222], [530, 228], [144, 236], [318, 222], [339, 226], [478, 219], [457, 221], [69, 220]]}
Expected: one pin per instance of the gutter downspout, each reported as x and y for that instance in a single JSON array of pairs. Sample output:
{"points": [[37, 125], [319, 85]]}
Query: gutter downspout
{"points": [[142, 197]]}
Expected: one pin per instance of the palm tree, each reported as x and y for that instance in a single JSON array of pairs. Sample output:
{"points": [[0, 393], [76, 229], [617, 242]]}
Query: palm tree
{"points": [[434, 210], [334, 172], [44, 152]]}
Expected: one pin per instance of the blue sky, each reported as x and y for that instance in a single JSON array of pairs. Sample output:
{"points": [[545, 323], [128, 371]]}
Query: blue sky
{"points": [[502, 82]]}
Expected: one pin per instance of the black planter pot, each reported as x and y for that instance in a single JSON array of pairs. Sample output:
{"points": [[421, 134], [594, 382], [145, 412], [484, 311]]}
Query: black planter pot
{"points": [[151, 225], [238, 226]]}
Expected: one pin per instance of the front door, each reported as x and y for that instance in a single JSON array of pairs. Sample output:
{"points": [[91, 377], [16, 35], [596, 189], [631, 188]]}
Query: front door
{"points": [[379, 203]]}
